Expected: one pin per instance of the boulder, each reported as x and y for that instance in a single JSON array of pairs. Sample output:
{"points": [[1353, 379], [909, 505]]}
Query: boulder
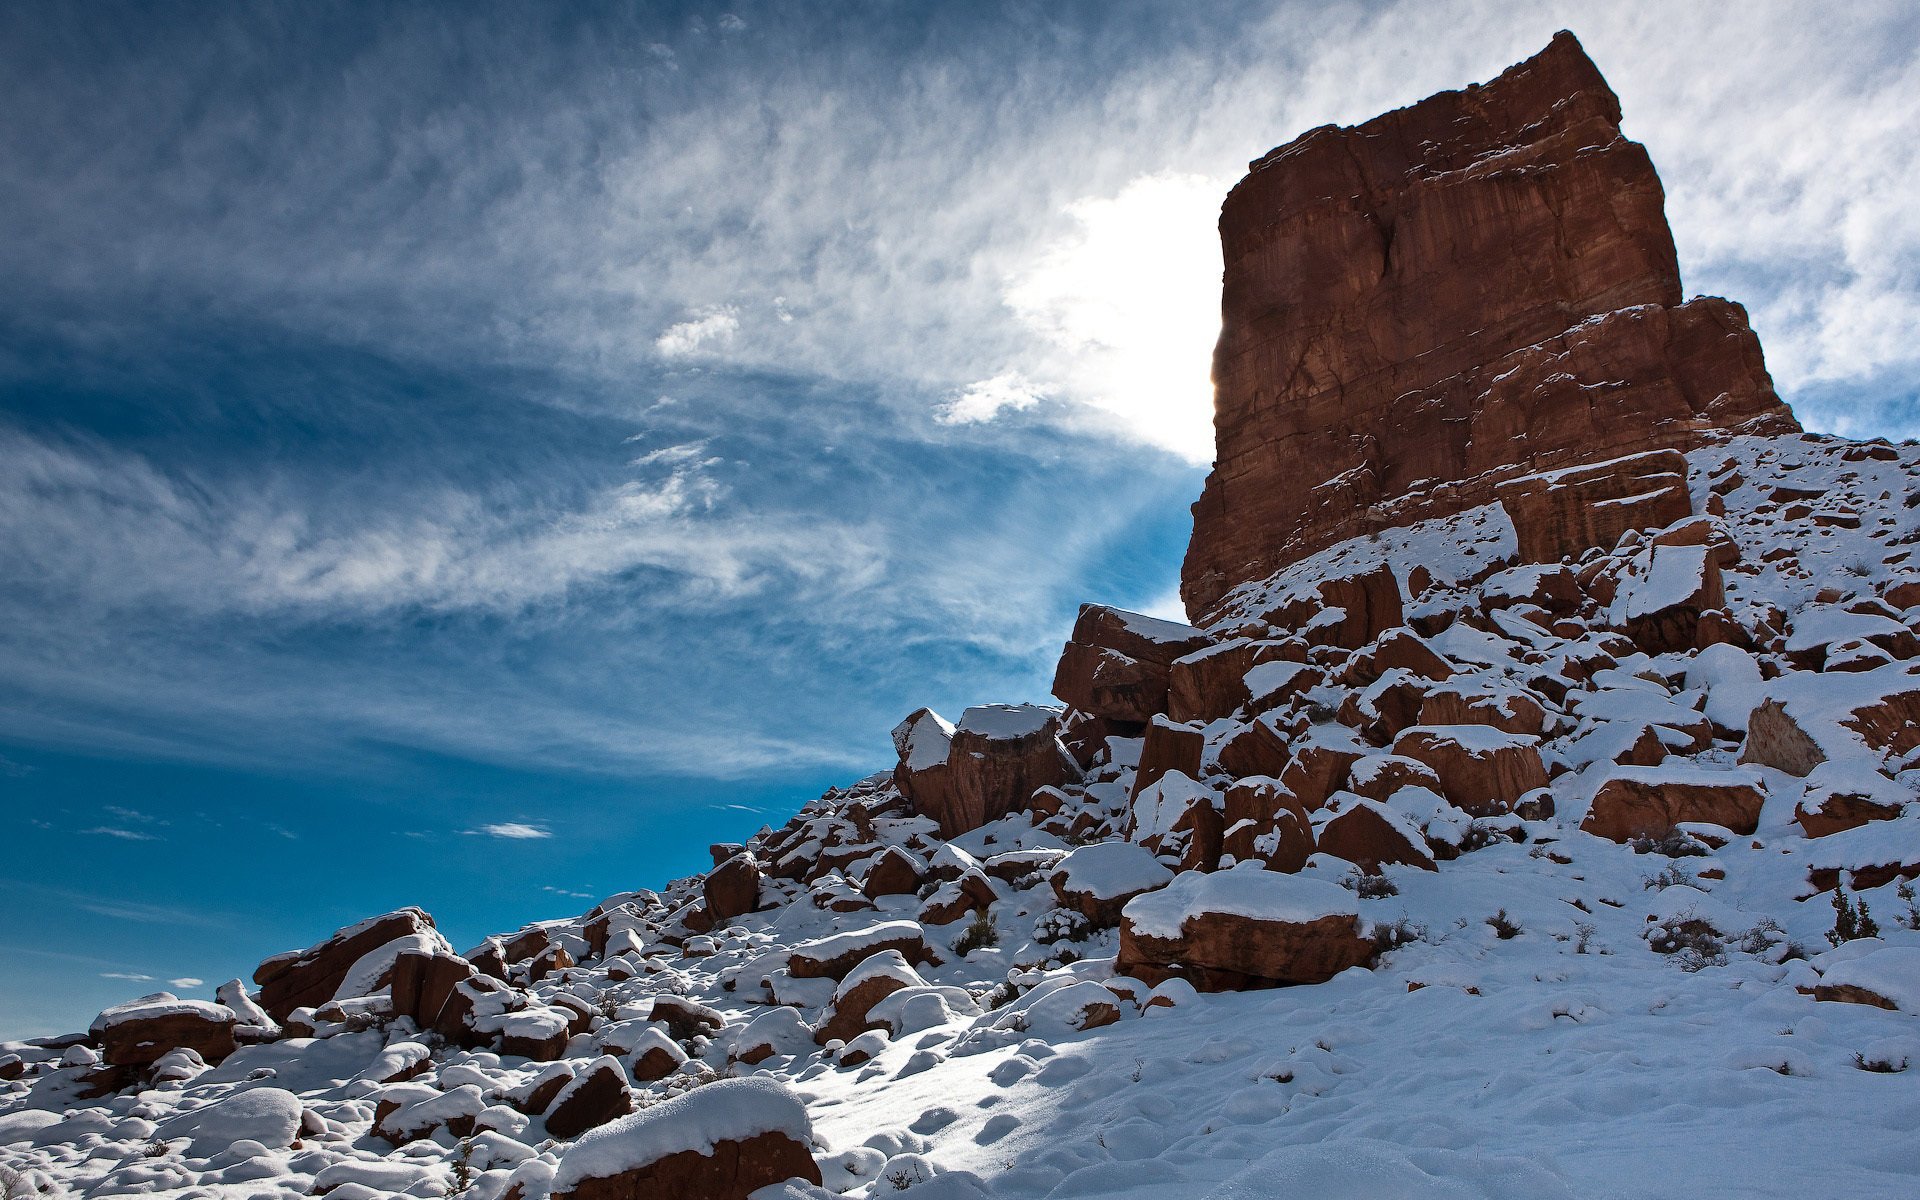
{"points": [[1869, 716], [893, 873], [732, 889], [1348, 609], [1482, 770], [877, 977], [1474, 288], [1168, 747], [723, 1141], [1116, 664], [923, 742], [1000, 754], [1212, 682], [1660, 601], [1636, 802], [1098, 881], [654, 1056], [685, 1018], [1370, 835], [595, 1096], [138, 1032], [1560, 514], [309, 978], [833, 956], [1239, 929], [1262, 821], [422, 981]]}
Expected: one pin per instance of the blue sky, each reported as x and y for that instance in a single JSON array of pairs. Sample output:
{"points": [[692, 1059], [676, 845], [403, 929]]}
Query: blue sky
{"points": [[423, 427]]}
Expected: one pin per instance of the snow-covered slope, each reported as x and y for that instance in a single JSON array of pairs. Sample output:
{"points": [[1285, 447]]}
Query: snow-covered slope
{"points": [[1547, 1012]]}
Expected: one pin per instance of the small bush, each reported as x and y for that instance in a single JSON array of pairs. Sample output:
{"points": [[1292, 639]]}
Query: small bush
{"points": [[1850, 921], [1690, 940], [1583, 936], [1912, 918], [1674, 844], [1369, 887], [1392, 936], [1881, 1065], [1504, 927], [981, 933], [1671, 875]]}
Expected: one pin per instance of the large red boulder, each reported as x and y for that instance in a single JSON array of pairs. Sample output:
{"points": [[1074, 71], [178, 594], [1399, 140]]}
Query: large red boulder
{"points": [[1476, 287], [999, 756], [137, 1033], [592, 1098], [1239, 929], [1116, 664], [723, 1141], [1483, 770], [732, 889], [1559, 514], [422, 981], [309, 978], [1636, 802]]}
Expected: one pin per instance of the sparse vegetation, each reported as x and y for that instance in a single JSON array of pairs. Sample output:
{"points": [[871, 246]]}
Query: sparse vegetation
{"points": [[979, 934], [1911, 919], [1851, 920], [1690, 940], [1393, 935], [1369, 886], [1671, 875], [1504, 927], [1881, 1064], [1583, 932]]}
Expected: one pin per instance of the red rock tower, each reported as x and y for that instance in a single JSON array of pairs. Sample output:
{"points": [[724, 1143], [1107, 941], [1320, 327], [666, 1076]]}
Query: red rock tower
{"points": [[1474, 288]]}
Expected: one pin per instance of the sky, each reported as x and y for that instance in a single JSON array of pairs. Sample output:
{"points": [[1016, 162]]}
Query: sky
{"points": [[476, 456]]}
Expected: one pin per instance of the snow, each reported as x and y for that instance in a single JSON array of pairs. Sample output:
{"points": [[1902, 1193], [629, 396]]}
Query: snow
{"points": [[268, 1115], [1109, 870], [839, 944], [1732, 681], [1892, 972], [1256, 894], [922, 740], [998, 722], [730, 1110], [1154, 629], [157, 1005], [1664, 577]]}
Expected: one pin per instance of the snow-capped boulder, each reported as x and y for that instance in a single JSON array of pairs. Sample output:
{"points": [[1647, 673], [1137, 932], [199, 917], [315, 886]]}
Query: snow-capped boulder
{"points": [[877, 977], [924, 742], [1231, 930], [1808, 719], [893, 872], [1370, 835], [1648, 802], [593, 1097], [268, 1115], [1559, 514], [422, 981], [1169, 746], [137, 1033], [834, 956], [1117, 663], [1097, 881], [685, 1017], [1883, 976], [1482, 770], [309, 978], [732, 889], [723, 1141], [999, 756], [654, 1056]]}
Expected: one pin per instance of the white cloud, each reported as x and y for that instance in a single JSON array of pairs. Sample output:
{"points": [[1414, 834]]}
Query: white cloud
{"points": [[185, 981], [129, 976], [125, 835], [514, 831], [987, 399], [706, 333]]}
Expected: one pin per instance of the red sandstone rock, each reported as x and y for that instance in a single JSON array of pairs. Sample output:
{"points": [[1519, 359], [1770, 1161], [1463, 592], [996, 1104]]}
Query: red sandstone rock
{"points": [[1476, 287], [1650, 801], [723, 1141], [1559, 514], [309, 978], [1482, 770], [1169, 747], [1116, 664], [1000, 755], [732, 889], [1370, 835], [422, 981], [137, 1033], [591, 1099], [1232, 930]]}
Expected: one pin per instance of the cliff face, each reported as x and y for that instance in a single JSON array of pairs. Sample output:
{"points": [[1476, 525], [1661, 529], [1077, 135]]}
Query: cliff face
{"points": [[1480, 286]]}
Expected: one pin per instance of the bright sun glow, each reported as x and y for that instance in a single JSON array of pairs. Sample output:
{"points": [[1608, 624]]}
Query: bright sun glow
{"points": [[1130, 303]]}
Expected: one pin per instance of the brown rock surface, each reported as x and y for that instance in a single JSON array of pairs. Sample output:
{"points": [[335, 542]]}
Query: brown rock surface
{"points": [[1559, 514], [1116, 663], [135, 1034], [1217, 947], [1000, 755], [309, 978], [422, 982], [1482, 770], [732, 889], [1476, 287], [597, 1095], [1649, 801]]}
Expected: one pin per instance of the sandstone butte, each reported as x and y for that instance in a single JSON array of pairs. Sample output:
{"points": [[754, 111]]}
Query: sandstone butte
{"points": [[1477, 287]]}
